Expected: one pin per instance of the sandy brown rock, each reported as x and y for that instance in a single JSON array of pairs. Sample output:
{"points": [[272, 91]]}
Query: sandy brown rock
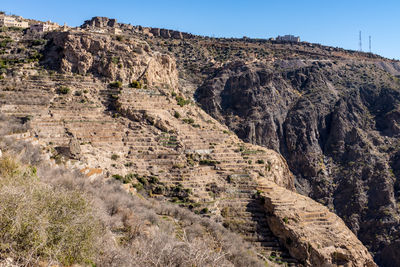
{"points": [[103, 56], [74, 148], [312, 233]]}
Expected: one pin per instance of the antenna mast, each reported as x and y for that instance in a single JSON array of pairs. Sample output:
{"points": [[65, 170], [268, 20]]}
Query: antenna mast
{"points": [[370, 50], [360, 43]]}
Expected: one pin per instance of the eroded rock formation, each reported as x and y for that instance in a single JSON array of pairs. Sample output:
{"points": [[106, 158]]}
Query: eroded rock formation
{"points": [[335, 122], [312, 233], [105, 57]]}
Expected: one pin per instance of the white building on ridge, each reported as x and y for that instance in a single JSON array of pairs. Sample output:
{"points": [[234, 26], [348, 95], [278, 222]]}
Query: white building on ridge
{"points": [[288, 38], [10, 21]]}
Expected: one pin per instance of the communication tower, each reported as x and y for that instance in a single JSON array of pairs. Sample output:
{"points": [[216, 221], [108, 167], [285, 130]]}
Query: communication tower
{"points": [[370, 50]]}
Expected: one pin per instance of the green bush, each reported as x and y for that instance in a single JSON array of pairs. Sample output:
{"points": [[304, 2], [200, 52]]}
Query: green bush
{"points": [[181, 101], [153, 180], [3, 64], [260, 161], [5, 42], [177, 115], [204, 211], [208, 162], [36, 56], [64, 90], [138, 186], [114, 157], [115, 60], [142, 180], [116, 84], [123, 179], [15, 29], [38, 42], [128, 164], [189, 120], [135, 84]]}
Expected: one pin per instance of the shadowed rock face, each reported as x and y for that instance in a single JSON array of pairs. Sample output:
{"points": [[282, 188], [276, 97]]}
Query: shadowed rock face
{"points": [[337, 125]]}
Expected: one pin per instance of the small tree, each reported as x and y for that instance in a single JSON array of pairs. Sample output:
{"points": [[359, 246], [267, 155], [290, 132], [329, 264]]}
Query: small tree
{"points": [[177, 115], [260, 161], [116, 84], [64, 90], [135, 84]]}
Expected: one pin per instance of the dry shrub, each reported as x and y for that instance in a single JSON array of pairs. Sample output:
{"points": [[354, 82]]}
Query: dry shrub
{"points": [[62, 217], [11, 125], [41, 222], [152, 233], [162, 250]]}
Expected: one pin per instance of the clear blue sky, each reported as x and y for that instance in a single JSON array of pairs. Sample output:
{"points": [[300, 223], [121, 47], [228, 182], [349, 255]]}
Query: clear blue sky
{"points": [[329, 22]]}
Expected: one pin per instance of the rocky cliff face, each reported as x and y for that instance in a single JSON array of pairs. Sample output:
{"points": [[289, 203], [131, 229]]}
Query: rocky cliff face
{"points": [[107, 57], [336, 123], [160, 143]]}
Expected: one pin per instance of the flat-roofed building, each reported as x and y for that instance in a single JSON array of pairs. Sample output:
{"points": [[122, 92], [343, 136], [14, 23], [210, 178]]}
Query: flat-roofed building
{"points": [[44, 27], [22, 24], [9, 21], [288, 38]]}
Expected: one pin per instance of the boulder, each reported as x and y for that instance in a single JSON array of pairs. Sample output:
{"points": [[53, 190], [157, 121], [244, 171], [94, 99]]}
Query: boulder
{"points": [[74, 148]]}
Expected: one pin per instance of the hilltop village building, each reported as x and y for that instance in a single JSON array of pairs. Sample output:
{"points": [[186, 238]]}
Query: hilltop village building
{"points": [[10, 21], [44, 27], [288, 38]]}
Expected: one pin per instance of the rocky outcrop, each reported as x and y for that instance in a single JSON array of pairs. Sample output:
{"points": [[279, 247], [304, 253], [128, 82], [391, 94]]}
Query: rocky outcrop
{"points": [[313, 234], [337, 125], [105, 57], [100, 22], [75, 148], [165, 33]]}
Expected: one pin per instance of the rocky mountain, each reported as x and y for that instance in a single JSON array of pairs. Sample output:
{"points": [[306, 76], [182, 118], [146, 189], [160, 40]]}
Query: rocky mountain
{"points": [[335, 123], [202, 123], [329, 112]]}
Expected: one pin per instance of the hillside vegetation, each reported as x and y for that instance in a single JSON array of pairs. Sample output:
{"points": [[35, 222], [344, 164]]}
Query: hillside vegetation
{"points": [[49, 215], [42, 222], [170, 149]]}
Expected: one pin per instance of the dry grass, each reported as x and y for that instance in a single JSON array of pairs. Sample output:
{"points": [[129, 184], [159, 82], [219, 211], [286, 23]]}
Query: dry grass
{"points": [[150, 233], [9, 125], [52, 215], [41, 222]]}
